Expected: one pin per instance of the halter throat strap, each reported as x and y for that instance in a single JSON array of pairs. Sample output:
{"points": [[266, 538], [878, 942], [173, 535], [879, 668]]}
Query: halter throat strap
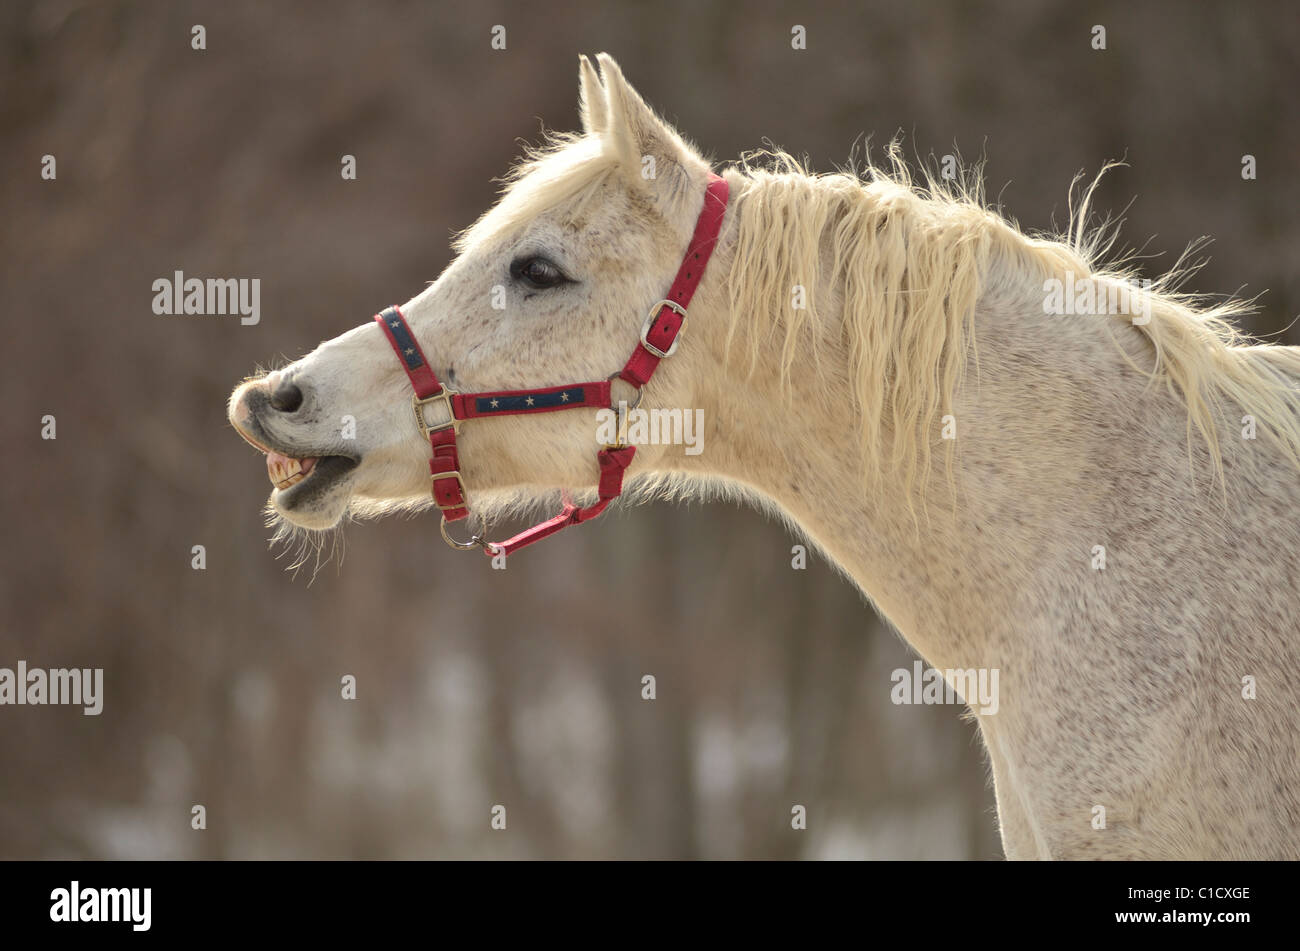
{"points": [[661, 333]]}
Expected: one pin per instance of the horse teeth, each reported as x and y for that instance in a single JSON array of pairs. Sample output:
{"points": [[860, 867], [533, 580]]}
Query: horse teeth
{"points": [[284, 471]]}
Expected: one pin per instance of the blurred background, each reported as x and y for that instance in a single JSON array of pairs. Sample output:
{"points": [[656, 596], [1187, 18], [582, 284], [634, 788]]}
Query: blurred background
{"points": [[478, 687]]}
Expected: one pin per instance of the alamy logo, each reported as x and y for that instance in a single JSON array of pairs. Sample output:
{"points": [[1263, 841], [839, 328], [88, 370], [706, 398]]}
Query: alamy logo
{"points": [[977, 686], [60, 685], [216, 296], [1092, 297], [103, 904], [651, 427]]}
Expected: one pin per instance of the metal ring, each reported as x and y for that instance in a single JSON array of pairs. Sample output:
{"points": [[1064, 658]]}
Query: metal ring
{"points": [[475, 541], [619, 376]]}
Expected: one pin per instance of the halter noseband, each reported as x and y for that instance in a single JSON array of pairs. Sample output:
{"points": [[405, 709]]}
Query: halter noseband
{"points": [[660, 335]]}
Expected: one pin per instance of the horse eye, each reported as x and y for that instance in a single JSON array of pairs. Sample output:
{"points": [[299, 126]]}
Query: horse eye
{"points": [[538, 272]]}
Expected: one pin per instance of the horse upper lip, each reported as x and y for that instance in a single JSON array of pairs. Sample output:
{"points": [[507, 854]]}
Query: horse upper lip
{"points": [[247, 437], [268, 447]]}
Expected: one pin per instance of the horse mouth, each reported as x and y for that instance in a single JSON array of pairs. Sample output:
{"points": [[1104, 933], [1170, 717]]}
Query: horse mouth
{"points": [[297, 479], [299, 476]]}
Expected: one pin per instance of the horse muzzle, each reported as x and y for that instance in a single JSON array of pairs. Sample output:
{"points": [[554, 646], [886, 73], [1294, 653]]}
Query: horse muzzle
{"points": [[262, 412]]}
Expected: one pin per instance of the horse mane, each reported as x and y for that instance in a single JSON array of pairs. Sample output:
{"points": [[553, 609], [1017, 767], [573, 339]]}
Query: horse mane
{"points": [[907, 263]]}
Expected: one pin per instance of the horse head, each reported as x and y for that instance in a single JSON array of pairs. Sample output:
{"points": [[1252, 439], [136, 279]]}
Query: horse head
{"points": [[550, 285]]}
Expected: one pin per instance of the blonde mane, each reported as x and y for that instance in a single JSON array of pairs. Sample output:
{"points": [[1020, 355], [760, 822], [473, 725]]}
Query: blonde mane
{"points": [[906, 265]]}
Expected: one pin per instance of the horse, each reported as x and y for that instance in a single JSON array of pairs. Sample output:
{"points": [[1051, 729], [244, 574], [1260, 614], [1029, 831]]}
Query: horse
{"points": [[1099, 506]]}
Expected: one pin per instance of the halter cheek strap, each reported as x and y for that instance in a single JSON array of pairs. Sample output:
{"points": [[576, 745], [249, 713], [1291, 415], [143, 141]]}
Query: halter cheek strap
{"points": [[661, 334]]}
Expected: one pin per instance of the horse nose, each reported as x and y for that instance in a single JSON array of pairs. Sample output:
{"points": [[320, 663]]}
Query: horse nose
{"points": [[286, 397]]}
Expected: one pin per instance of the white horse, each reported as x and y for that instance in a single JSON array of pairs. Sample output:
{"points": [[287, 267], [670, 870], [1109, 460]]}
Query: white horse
{"points": [[1102, 507]]}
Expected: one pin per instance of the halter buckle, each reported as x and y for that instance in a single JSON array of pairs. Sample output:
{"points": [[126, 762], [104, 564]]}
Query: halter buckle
{"points": [[650, 322], [464, 493], [445, 394]]}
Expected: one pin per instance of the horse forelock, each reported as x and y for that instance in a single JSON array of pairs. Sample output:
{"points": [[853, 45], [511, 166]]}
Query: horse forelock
{"points": [[565, 169]]}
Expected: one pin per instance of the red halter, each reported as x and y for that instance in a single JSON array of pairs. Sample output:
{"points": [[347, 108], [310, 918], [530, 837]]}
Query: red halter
{"points": [[660, 335]]}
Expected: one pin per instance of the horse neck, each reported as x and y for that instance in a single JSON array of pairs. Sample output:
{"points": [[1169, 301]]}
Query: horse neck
{"points": [[947, 560], [1062, 446], [796, 446]]}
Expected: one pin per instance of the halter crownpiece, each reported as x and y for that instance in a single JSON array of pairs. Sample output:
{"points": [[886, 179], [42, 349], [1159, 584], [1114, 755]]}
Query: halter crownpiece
{"points": [[661, 333]]}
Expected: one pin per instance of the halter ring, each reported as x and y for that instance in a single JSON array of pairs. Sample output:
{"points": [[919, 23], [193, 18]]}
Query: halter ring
{"points": [[475, 541], [619, 376]]}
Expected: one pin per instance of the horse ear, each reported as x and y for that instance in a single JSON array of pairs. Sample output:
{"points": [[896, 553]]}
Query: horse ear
{"points": [[648, 148], [591, 99]]}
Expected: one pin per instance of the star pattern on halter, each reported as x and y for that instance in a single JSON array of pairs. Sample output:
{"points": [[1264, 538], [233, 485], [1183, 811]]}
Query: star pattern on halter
{"points": [[532, 401]]}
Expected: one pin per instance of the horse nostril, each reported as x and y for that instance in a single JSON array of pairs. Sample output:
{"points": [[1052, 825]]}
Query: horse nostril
{"points": [[287, 397]]}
